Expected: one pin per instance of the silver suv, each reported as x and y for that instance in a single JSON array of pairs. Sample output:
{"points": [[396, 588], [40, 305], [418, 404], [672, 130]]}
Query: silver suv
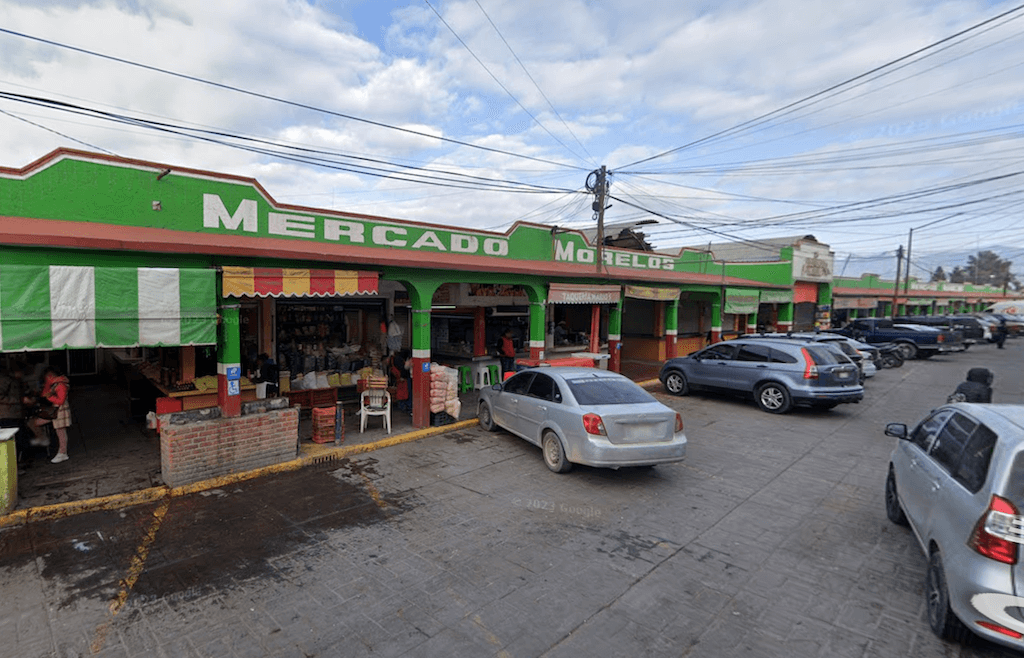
{"points": [[779, 374], [957, 480]]}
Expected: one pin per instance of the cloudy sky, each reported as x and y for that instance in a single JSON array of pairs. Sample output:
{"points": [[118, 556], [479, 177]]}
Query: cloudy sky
{"points": [[852, 120]]}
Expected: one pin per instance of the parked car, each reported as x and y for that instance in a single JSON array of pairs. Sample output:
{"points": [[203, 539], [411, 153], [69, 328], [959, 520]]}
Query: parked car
{"points": [[778, 374], [584, 416], [968, 326], [957, 479], [913, 341], [843, 344]]}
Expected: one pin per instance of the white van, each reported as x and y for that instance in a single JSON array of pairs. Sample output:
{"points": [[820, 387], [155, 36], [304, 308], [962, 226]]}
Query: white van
{"points": [[1011, 306]]}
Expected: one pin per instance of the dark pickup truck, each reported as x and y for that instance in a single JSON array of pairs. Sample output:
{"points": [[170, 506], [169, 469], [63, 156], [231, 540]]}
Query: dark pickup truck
{"points": [[914, 340]]}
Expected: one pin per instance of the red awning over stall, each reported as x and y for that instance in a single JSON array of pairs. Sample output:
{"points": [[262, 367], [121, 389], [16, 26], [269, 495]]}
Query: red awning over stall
{"points": [[285, 282]]}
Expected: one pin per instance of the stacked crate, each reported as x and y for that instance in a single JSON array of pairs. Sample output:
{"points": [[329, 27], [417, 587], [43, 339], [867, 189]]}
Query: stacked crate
{"points": [[323, 424]]}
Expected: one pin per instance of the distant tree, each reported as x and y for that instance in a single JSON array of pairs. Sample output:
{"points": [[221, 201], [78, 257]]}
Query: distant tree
{"points": [[939, 274], [958, 275], [986, 267]]}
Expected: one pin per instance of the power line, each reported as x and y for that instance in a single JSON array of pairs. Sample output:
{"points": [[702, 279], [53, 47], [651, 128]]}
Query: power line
{"points": [[275, 99], [495, 78], [760, 119], [55, 132], [299, 154], [537, 86]]}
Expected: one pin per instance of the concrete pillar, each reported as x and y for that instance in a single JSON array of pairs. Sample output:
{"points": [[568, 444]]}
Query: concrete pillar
{"points": [[785, 317], [538, 329], [480, 332], [671, 328], [615, 337], [229, 361], [716, 320]]}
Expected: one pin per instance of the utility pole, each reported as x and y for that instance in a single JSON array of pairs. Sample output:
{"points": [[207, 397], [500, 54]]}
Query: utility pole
{"points": [[896, 287], [910, 244], [597, 182]]}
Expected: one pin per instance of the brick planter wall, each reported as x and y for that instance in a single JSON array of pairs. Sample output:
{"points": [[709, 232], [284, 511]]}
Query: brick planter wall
{"points": [[193, 448]]}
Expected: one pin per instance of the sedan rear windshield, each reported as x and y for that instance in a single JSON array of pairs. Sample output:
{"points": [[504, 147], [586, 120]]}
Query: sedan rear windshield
{"points": [[590, 391]]}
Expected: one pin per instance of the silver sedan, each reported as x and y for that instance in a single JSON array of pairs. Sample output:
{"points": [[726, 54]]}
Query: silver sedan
{"points": [[584, 416]]}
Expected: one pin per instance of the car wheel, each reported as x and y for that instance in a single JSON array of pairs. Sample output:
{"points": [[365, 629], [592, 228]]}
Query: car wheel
{"points": [[892, 501], [676, 384], [909, 350], [774, 398], [554, 454], [486, 417], [940, 616]]}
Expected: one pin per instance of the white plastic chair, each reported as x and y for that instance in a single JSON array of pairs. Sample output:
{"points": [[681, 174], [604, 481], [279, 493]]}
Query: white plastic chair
{"points": [[374, 402]]}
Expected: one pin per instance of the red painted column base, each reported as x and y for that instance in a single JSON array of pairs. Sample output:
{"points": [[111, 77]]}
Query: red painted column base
{"points": [[614, 355], [230, 405], [670, 347], [716, 336], [479, 332], [420, 394], [535, 352]]}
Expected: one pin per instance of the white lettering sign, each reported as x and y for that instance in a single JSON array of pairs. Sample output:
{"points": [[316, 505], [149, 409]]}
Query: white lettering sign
{"points": [[336, 229], [293, 225], [216, 215], [380, 236]]}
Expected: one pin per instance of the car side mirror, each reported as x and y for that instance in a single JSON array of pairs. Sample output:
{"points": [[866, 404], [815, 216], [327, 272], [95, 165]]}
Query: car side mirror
{"points": [[898, 430], [495, 387]]}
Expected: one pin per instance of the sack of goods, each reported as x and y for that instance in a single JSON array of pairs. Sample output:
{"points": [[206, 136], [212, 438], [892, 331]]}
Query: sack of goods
{"points": [[444, 390]]}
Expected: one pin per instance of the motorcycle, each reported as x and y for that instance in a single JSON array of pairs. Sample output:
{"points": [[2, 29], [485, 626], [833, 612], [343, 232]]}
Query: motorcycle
{"points": [[890, 355]]}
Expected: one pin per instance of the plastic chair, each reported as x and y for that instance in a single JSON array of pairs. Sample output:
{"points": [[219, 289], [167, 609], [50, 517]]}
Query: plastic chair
{"points": [[465, 379], [495, 373], [374, 402]]}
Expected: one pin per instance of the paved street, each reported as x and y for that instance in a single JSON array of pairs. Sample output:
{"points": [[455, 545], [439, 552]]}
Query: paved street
{"points": [[769, 540]]}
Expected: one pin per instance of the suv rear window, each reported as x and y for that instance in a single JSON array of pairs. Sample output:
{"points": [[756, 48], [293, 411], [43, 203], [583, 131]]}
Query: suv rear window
{"points": [[824, 356], [590, 391], [973, 467]]}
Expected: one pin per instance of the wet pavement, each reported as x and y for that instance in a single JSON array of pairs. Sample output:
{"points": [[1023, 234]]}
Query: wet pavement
{"points": [[112, 453], [769, 540]]}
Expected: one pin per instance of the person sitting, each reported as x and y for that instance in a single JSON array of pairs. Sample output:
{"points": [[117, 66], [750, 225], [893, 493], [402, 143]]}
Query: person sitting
{"points": [[267, 373], [977, 388], [561, 333]]}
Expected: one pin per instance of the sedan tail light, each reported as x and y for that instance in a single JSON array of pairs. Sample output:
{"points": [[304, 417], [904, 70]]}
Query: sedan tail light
{"points": [[593, 424], [810, 369], [679, 423], [998, 531]]}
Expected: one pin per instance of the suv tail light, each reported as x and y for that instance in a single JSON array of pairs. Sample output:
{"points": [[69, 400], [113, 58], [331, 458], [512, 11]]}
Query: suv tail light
{"points": [[942, 339], [679, 423], [998, 531], [811, 368], [593, 424]]}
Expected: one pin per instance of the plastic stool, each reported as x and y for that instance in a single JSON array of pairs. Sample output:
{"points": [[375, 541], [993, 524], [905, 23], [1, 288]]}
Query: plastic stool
{"points": [[465, 379], [482, 376], [495, 373]]}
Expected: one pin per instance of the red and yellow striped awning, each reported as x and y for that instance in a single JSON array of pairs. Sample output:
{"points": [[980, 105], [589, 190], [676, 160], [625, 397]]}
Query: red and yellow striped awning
{"points": [[284, 282]]}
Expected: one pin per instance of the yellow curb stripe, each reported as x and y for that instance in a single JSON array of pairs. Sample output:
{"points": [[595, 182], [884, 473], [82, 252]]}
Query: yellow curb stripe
{"points": [[310, 455], [138, 563], [648, 382]]}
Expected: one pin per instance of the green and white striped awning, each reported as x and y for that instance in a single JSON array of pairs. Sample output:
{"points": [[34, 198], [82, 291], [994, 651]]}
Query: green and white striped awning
{"points": [[60, 306]]}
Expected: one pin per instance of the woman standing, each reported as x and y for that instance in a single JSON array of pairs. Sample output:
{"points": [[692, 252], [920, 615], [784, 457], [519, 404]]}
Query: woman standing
{"points": [[55, 391]]}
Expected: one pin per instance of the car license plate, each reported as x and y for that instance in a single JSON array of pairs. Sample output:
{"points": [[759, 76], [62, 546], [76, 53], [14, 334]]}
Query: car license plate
{"points": [[842, 374]]}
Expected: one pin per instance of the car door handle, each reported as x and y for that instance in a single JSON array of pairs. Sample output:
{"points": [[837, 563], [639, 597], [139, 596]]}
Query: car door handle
{"points": [[762, 366], [542, 408]]}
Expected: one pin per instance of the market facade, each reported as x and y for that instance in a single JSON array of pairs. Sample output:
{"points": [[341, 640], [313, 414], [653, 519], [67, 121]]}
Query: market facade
{"points": [[182, 277]]}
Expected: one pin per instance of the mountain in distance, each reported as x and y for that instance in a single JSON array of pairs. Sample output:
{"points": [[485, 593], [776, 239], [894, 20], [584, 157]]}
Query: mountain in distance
{"points": [[884, 265]]}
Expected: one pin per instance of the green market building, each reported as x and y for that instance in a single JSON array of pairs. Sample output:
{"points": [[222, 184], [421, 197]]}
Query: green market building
{"points": [[108, 254]]}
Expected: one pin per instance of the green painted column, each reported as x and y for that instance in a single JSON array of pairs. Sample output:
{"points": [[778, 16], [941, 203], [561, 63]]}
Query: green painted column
{"points": [[229, 361], [785, 319], [538, 319], [716, 320], [615, 337], [421, 293], [671, 327]]}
